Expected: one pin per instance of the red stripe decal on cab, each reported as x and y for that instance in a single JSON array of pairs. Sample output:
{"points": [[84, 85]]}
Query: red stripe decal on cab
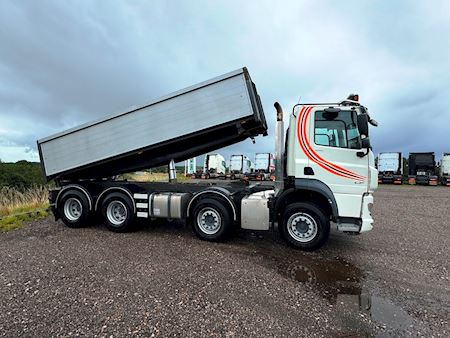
{"points": [[312, 154]]}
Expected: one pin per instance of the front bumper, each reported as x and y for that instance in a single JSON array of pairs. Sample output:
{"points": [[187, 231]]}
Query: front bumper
{"points": [[366, 216]]}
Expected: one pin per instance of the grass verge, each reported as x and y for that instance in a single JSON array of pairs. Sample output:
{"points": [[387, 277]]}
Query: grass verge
{"points": [[18, 207], [15, 221]]}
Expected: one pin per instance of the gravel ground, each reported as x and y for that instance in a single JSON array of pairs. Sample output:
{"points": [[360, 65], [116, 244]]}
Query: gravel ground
{"points": [[162, 281]]}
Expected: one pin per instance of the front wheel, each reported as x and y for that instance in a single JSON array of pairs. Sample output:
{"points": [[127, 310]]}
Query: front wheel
{"points": [[305, 226]]}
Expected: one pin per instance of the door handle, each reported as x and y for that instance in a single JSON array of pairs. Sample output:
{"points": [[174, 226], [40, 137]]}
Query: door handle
{"points": [[308, 171]]}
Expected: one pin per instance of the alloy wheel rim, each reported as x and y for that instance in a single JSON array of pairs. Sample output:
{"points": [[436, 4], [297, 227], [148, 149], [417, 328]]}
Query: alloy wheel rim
{"points": [[116, 212], [209, 221], [73, 209], [302, 227]]}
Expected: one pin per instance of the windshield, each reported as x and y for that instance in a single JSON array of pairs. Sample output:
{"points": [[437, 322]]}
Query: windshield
{"points": [[337, 130]]}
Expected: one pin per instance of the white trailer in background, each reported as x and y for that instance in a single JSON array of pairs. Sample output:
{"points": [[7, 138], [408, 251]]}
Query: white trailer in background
{"points": [[444, 170], [390, 168], [190, 166], [214, 166], [240, 167], [264, 167]]}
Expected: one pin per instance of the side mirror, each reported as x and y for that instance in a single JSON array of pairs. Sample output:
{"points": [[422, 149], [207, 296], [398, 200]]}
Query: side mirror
{"points": [[365, 143], [373, 122], [363, 124]]}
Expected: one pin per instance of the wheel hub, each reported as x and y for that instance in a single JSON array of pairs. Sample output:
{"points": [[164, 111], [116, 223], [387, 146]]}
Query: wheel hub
{"points": [[116, 212], [73, 209], [302, 227], [209, 221]]}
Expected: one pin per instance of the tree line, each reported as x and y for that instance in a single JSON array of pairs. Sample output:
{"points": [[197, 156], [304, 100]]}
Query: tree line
{"points": [[21, 175]]}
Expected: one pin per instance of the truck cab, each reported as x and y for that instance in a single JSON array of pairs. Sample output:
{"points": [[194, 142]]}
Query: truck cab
{"points": [[422, 169], [240, 167], [264, 166], [214, 166], [330, 172], [390, 168], [444, 170]]}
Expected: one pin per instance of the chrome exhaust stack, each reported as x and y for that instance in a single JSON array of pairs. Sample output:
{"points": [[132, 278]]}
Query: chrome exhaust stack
{"points": [[172, 171], [279, 145]]}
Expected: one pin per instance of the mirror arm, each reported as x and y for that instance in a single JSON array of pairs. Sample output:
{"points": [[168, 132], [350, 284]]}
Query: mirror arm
{"points": [[362, 153]]}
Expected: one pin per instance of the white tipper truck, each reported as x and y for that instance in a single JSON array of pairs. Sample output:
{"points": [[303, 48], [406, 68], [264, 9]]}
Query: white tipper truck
{"points": [[325, 169]]}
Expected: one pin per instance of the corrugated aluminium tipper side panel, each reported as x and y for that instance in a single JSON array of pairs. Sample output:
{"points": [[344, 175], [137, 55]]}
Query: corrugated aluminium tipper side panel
{"points": [[181, 125]]}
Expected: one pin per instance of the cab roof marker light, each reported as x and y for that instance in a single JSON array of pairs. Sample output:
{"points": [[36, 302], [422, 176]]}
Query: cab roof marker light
{"points": [[352, 99]]}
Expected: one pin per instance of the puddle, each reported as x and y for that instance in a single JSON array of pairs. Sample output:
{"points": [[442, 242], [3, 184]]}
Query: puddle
{"points": [[340, 283], [333, 277]]}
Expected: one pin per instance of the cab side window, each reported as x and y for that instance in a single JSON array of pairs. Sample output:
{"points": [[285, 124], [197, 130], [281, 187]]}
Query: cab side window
{"points": [[337, 129]]}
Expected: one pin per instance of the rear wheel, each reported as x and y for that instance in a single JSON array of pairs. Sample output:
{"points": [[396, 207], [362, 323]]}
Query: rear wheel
{"points": [[305, 226], [74, 209], [118, 212], [212, 221]]}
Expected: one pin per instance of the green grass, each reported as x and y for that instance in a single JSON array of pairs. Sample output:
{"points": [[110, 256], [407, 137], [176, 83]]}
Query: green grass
{"points": [[16, 221], [20, 206]]}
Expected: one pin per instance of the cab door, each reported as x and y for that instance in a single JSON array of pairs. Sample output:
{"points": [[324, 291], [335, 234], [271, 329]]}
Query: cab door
{"points": [[330, 139]]}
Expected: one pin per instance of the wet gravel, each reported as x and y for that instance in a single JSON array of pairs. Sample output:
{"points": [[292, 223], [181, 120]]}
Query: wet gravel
{"points": [[163, 281]]}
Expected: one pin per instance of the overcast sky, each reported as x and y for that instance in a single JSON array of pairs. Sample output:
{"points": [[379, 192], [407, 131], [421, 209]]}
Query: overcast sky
{"points": [[63, 63]]}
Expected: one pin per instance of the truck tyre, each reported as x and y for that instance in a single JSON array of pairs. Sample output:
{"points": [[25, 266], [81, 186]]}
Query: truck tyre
{"points": [[212, 221], [118, 212], [74, 209], [304, 226]]}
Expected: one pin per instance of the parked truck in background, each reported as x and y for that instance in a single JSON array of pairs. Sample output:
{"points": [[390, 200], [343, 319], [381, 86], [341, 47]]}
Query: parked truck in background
{"points": [[240, 167], [422, 169], [264, 167], [325, 171], [390, 168], [214, 166], [444, 170], [190, 166]]}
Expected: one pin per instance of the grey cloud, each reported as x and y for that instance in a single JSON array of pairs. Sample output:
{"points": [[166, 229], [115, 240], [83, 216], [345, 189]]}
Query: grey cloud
{"points": [[65, 63]]}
